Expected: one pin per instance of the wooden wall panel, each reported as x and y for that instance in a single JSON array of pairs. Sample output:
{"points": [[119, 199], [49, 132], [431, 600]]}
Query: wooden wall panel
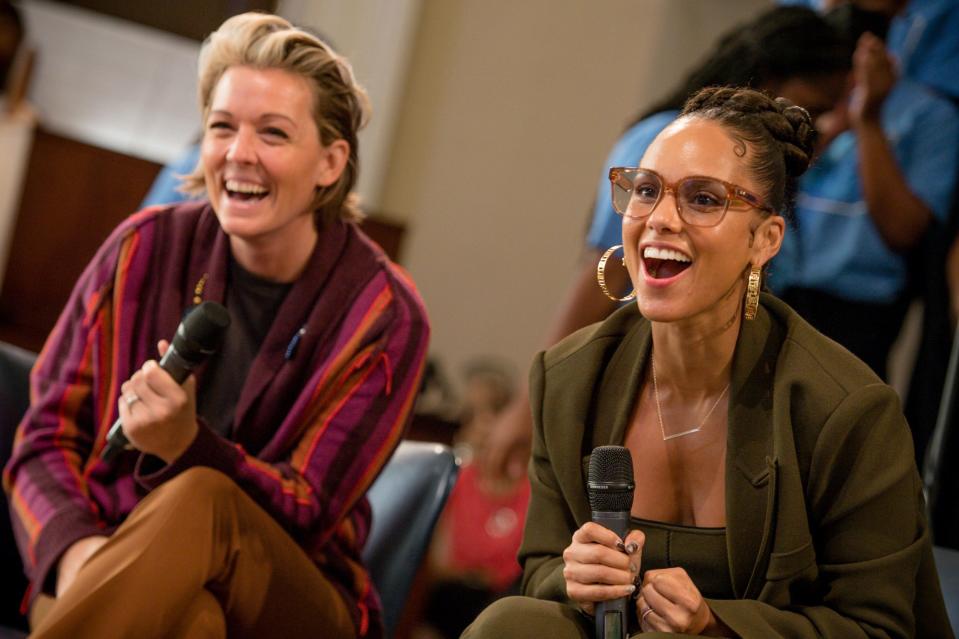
{"points": [[74, 195], [195, 19]]}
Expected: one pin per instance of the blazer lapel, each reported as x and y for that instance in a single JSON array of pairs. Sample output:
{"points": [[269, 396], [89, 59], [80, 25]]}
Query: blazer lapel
{"points": [[619, 386], [592, 405], [751, 464]]}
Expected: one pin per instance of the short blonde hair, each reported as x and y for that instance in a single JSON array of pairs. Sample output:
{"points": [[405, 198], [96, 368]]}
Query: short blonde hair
{"points": [[341, 107]]}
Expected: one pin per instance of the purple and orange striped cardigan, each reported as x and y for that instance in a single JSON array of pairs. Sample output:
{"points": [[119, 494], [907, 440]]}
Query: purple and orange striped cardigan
{"points": [[314, 425]]}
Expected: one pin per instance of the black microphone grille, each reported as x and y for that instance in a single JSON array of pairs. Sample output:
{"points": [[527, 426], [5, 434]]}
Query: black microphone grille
{"points": [[610, 480], [202, 329]]}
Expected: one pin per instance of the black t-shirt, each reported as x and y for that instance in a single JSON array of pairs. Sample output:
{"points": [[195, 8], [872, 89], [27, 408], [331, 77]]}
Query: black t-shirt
{"points": [[252, 303]]}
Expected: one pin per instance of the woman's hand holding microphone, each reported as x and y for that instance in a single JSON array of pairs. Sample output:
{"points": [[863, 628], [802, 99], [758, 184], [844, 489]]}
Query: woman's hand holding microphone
{"points": [[600, 566], [158, 414]]}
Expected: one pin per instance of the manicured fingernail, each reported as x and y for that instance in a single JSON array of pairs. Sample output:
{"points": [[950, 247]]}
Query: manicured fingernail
{"points": [[630, 589], [621, 547], [631, 547], [633, 568]]}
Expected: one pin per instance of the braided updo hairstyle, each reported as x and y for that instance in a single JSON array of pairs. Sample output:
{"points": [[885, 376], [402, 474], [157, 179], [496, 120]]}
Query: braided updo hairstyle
{"points": [[776, 134]]}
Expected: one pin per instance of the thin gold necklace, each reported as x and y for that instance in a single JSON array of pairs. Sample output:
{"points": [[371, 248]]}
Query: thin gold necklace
{"points": [[659, 409]]}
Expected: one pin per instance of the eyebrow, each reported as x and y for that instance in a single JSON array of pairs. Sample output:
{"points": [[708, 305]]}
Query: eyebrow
{"points": [[265, 116]]}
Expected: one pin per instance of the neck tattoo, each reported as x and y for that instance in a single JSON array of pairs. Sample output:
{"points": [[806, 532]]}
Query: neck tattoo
{"points": [[659, 408]]}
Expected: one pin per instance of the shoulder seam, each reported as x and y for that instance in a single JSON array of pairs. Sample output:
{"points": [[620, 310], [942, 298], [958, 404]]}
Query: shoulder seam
{"points": [[798, 344], [565, 357]]}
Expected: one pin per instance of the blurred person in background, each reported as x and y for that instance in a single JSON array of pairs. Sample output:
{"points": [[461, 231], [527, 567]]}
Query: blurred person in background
{"points": [[240, 509], [874, 215], [166, 188], [922, 41], [788, 51], [473, 556]]}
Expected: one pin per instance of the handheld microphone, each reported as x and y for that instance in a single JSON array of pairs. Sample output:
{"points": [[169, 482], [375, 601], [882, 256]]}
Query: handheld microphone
{"points": [[197, 337], [610, 487]]}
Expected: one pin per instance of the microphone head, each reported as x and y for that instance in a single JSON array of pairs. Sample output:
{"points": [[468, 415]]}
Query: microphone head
{"points": [[610, 481], [201, 331]]}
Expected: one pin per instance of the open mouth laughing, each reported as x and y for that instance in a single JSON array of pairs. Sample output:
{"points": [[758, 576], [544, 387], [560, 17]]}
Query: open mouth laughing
{"points": [[664, 263], [244, 191]]}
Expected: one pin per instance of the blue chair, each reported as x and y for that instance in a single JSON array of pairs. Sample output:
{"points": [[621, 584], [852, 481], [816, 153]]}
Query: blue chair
{"points": [[406, 499], [947, 563]]}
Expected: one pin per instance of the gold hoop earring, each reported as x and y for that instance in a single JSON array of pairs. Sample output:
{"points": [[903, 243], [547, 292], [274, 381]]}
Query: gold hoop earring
{"points": [[601, 275], [752, 292]]}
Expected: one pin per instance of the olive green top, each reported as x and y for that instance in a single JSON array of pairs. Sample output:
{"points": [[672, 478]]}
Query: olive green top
{"points": [[825, 531], [701, 552]]}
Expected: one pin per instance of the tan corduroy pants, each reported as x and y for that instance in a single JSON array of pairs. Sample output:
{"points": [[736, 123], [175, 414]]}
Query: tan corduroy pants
{"points": [[198, 558]]}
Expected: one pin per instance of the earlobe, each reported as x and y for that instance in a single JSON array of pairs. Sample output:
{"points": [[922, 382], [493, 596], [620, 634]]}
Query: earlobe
{"points": [[335, 157]]}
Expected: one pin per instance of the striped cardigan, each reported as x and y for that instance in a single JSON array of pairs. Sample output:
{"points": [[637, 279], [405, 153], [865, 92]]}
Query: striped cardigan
{"points": [[323, 407]]}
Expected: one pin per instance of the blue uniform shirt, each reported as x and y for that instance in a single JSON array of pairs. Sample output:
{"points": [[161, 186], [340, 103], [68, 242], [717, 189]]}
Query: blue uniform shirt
{"points": [[836, 247], [925, 39], [606, 228]]}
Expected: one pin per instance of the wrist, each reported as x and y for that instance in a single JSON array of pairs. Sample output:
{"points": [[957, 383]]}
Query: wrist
{"points": [[180, 446]]}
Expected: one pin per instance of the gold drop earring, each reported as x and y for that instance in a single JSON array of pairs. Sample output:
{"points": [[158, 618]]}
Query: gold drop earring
{"points": [[752, 292]]}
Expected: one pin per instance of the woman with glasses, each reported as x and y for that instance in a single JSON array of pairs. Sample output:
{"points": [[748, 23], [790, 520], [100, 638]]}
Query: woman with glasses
{"points": [[788, 51], [775, 489]]}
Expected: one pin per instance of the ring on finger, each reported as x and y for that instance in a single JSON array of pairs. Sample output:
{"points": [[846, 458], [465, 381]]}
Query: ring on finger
{"points": [[647, 612], [131, 399]]}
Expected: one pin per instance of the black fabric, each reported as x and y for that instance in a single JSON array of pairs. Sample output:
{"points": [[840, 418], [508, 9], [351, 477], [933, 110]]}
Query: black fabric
{"points": [[252, 303], [945, 517], [14, 398], [927, 283], [941, 474], [452, 605], [866, 330]]}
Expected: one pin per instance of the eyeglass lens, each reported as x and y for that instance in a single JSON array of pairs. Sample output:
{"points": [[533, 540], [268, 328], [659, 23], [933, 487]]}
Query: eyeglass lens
{"points": [[701, 201]]}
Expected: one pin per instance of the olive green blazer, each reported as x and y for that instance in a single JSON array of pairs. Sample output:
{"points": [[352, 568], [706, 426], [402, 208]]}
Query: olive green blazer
{"points": [[824, 514]]}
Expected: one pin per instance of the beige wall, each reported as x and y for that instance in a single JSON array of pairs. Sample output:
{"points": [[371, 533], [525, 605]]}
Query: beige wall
{"points": [[510, 109], [377, 37]]}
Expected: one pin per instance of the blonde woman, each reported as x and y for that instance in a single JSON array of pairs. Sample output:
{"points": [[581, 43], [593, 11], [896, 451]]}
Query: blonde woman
{"points": [[241, 509]]}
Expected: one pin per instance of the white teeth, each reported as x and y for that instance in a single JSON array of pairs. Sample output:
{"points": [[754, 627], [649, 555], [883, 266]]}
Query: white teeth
{"points": [[665, 254], [245, 187]]}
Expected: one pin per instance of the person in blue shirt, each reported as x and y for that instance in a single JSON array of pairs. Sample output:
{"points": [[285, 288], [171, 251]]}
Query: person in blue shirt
{"points": [[787, 51], [920, 34], [887, 175], [922, 37], [166, 186]]}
